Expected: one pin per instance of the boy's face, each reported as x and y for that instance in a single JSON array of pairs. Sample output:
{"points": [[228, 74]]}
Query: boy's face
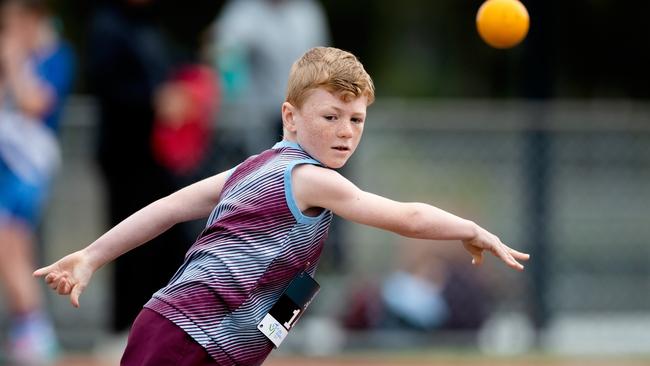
{"points": [[326, 127]]}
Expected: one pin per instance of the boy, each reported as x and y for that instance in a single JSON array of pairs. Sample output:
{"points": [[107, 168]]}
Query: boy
{"points": [[268, 219]]}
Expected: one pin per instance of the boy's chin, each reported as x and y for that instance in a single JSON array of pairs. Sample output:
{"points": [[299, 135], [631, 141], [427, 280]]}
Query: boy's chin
{"points": [[337, 164]]}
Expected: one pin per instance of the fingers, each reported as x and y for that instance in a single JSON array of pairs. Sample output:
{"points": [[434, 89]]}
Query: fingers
{"points": [[507, 257], [477, 259], [52, 280], [515, 265], [514, 256], [64, 287], [475, 252], [75, 293], [59, 283], [43, 271], [519, 255]]}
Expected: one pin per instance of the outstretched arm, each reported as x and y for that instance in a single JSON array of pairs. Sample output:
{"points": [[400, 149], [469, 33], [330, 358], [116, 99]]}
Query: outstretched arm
{"points": [[319, 187], [71, 274]]}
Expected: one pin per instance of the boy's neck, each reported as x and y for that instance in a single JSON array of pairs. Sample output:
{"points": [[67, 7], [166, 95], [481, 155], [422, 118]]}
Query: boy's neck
{"points": [[290, 137]]}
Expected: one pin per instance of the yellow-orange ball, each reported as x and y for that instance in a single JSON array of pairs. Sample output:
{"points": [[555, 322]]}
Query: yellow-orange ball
{"points": [[502, 23]]}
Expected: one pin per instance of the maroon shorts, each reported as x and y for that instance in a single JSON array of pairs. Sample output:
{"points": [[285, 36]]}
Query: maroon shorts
{"points": [[156, 341]]}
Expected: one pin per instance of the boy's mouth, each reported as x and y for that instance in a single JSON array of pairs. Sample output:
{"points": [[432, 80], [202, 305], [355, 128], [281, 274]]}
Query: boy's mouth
{"points": [[341, 148]]}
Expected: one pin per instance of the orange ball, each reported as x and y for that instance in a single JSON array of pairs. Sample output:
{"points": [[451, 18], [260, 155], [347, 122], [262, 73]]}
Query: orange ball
{"points": [[502, 23]]}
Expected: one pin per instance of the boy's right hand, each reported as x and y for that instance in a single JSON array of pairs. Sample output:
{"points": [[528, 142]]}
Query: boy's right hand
{"points": [[484, 240], [69, 275]]}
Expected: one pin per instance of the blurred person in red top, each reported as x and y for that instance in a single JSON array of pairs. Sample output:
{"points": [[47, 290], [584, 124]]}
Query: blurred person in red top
{"points": [[185, 110]]}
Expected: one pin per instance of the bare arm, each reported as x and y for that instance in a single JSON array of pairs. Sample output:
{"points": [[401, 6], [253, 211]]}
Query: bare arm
{"points": [[71, 274], [319, 187], [190, 203]]}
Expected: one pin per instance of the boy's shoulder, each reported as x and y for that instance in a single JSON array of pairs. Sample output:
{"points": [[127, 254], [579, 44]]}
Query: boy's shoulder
{"points": [[318, 186]]}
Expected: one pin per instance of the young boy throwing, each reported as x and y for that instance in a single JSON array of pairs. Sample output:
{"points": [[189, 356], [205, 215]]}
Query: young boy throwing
{"points": [[267, 222]]}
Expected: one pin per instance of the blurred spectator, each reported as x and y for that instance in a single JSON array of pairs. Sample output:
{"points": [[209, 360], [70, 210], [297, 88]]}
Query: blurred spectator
{"points": [[36, 70], [256, 42], [130, 60], [431, 288], [185, 111]]}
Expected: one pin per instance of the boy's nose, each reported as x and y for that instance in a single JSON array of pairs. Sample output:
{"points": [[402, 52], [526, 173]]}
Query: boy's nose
{"points": [[344, 130]]}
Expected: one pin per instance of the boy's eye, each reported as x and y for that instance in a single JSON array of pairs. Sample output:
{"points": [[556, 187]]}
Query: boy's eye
{"points": [[330, 118], [357, 120]]}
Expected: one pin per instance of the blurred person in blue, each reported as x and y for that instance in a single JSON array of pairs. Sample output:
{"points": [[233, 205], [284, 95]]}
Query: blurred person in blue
{"points": [[36, 72], [255, 44], [429, 289]]}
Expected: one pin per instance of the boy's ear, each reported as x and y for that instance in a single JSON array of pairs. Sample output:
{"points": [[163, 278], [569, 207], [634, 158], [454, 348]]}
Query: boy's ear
{"points": [[288, 117]]}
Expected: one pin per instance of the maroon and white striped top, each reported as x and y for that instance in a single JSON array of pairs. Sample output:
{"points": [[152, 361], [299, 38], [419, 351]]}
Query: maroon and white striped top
{"points": [[255, 241]]}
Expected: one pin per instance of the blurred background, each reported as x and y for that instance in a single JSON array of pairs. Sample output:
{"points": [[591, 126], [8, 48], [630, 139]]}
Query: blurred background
{"points": [[546, 144]]}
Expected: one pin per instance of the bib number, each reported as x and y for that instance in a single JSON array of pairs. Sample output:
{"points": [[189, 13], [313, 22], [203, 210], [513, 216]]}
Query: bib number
{"points": [[286, 312]]}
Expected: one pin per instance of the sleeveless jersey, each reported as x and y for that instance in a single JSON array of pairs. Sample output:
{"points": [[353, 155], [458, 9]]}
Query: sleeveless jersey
{"points": [[255, 241]]}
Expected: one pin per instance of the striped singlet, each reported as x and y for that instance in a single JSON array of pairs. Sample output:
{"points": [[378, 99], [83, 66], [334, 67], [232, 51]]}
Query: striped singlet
{"points": [[255, 241]]}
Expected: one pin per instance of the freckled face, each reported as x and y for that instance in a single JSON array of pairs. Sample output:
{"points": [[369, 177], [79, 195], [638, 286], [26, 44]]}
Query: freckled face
{"points": [[328, 128]]}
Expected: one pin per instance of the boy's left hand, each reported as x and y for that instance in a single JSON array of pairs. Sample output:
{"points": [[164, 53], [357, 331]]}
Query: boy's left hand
{"points": [[485, 240]]}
